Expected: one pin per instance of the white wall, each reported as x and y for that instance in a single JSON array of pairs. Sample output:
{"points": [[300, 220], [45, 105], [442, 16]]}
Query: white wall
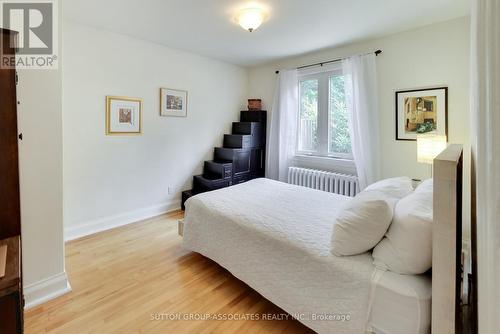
{"points": [[109, 180], [40, 166], [431, 56]]}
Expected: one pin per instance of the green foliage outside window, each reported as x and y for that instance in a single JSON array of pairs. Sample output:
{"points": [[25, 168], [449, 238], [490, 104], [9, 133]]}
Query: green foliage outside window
{"points": [[309, 112], [339, 141]]}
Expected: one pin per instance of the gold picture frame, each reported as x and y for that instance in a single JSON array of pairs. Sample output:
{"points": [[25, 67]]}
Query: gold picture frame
{"points": [[123, 116]]}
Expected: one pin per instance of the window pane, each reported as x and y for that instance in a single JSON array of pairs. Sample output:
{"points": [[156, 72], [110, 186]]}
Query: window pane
{"points": [[339, 139], [308, 127]]}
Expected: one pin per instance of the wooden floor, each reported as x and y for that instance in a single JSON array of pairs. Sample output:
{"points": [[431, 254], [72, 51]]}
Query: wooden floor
{"points": [[134, 278]]}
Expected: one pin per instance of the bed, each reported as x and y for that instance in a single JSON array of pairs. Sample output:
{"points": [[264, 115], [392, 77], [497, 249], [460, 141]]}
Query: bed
{"points": [[257, 231]]}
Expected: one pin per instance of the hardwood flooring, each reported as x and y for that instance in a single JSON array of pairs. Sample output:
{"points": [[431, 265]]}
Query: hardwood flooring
{"points": [[134, 278]]}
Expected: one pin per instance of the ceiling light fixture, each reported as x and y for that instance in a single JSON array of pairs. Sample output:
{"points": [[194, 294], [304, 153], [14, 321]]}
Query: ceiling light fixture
{"points": [[250, 18]]}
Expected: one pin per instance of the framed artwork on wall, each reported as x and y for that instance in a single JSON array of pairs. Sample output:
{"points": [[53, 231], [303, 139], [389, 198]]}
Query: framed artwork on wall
{"points": [[173, 102], [421, 111], [123, 115]]}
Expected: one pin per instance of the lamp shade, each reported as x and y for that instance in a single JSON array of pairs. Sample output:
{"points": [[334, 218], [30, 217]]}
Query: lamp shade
{"points": [[429, 146]]}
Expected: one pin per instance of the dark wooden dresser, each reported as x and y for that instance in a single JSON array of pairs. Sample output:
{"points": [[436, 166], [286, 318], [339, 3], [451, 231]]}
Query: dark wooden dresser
{"points": [[11, 301], [11, 290]]}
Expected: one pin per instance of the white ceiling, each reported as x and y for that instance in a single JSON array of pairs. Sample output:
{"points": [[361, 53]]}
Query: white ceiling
{"points": [[293, 27]]}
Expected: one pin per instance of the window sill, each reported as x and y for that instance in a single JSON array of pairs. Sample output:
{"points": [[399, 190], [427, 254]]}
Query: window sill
{"points": [[326, 163]]}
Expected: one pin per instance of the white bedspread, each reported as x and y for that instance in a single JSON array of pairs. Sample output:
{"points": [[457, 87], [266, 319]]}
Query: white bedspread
{"points": [[276, 238]]}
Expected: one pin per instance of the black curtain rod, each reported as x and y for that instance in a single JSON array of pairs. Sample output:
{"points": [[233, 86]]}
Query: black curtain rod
{"points": [[330, 61]]}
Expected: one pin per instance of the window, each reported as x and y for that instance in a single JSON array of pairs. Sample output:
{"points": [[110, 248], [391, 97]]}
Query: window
{"points": [[323, 125]]}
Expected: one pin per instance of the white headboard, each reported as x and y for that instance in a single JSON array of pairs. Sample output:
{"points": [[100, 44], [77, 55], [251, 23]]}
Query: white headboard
{"points": [[447, 240]]}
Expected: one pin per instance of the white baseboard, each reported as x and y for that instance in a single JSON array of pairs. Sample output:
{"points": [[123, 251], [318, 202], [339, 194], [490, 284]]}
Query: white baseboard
{"points": [[107, 223], [45, 290]]}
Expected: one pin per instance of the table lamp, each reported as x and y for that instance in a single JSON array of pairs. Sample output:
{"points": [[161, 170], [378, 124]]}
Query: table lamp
{"points": [[429, 146]]}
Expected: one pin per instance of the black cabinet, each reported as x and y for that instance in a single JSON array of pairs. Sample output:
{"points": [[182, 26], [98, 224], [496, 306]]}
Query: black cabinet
{"points": [[220, 168], [241, 158]]}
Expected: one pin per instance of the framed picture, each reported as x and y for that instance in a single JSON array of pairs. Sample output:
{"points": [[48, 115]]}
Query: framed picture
{"points": [[421, 111], [173, 102], [123, 115]]}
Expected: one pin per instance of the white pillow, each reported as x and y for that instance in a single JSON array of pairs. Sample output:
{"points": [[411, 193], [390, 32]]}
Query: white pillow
{"points": [[407, 246], [397, 187], [362, 223], [425, 186]]}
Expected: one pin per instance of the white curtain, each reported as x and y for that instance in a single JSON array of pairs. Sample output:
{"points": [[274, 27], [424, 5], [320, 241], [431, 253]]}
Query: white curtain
{"points": [[362, 105], [282, 136], [485, 142]]}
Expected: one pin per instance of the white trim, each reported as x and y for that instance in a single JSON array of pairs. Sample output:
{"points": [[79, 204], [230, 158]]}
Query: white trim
{"points": [[107, 223], [45, 290], [330, 164]]}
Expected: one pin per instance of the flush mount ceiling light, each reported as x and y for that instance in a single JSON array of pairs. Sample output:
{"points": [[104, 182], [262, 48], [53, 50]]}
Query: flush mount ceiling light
{"points": [[250, 18]]}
